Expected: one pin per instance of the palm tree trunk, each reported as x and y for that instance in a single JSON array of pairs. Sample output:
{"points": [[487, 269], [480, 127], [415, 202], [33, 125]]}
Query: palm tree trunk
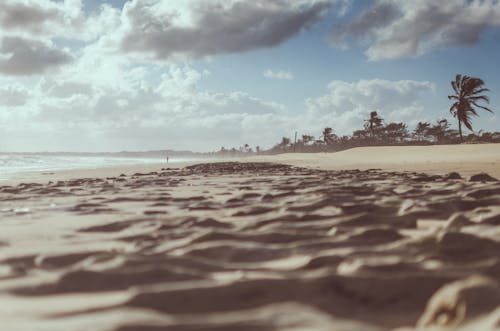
{"points": [[460, 130]]}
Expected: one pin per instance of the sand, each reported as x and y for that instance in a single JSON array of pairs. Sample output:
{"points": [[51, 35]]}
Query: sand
{"points": [[467, 159], [96, 172], [250, 246]]}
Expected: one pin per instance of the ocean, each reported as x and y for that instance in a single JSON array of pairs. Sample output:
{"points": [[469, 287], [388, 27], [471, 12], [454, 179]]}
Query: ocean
{"points": [[17, 163]]}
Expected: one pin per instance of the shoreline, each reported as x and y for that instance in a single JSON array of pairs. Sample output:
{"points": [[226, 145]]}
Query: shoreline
{"points": [[44, 176], [467, 160]]}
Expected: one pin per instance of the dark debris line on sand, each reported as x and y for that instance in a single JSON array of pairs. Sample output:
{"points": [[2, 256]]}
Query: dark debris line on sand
{"points": [[325, 248]]}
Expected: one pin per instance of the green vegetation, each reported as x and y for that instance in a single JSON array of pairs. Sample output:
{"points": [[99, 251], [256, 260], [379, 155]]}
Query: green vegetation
{"points": [[469, 92]]}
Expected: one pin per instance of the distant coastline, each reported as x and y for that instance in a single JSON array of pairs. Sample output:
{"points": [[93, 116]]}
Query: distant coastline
{"points": [[122, 154]]}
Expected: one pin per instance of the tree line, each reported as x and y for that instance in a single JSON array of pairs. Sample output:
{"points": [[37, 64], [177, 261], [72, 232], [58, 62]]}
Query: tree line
{"points": [[468, 97]]}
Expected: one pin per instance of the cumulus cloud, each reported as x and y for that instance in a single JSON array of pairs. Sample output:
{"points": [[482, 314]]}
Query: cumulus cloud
{"points": [[347, 104], [132, 112], [41, 17], [27, 32], [72, 113], [18, 15], [279, 74], [33, 32], [107, 101], [19, 56], [394, 29], [198, 28], [68, 89], [13, 95]]}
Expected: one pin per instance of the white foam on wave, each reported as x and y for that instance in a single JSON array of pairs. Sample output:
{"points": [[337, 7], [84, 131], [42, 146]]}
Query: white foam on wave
{"points": [[18, 163]]}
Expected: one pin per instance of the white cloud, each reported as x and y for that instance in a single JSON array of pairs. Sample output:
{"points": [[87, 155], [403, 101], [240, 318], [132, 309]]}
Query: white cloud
{"points": [[348, 104], [394, 29], [33, 16], [104, 103], [42, 18], [34, 33], [80, 109], [109, 100], [13, 95], [279, 74]]}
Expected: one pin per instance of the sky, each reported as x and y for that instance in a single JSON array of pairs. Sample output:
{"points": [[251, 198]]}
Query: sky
{"points": [[96, 75]]}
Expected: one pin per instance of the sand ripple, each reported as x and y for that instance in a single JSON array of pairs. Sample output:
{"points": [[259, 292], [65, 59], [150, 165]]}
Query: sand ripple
{"points": [[251, 246]]}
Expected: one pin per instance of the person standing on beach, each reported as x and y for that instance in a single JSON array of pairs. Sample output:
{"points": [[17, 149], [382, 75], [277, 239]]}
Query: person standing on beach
{"points": [[167, 158]]}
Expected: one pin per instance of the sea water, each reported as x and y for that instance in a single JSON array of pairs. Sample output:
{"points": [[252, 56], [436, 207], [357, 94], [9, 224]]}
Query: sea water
{"points": [[17, 163]]}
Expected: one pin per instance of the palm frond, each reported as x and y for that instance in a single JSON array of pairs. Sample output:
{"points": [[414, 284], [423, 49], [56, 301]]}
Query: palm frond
{"points": [[468, 124], [473, 111], [480, 97], [455, 87], [453, 109], [482, 107], [458, 82], [481, 90]]}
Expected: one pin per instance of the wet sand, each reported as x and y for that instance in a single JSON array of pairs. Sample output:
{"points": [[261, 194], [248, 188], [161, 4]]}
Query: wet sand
{"points": [[251, 246], [42, 177]]}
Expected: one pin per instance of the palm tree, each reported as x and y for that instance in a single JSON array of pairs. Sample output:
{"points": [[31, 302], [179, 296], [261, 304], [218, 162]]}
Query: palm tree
{"points": [[373, 123], [328, 136], [285, 142], [395, 132], [422, 130], [440, 131], [307, 139], [468, 93]]}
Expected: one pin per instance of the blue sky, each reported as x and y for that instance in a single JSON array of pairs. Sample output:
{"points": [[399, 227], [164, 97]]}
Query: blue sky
{"points": [[201, 74]]}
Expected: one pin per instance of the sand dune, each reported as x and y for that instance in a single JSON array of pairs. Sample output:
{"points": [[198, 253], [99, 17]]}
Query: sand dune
{"points": [[251, 246], [466, 159]]}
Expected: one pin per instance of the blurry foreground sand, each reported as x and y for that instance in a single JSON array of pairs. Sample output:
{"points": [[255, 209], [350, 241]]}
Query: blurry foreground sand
{"points": [[251, 246]]}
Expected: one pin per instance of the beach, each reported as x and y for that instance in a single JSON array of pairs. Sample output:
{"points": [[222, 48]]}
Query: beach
{"points": [[376, 238], [467, 159]]}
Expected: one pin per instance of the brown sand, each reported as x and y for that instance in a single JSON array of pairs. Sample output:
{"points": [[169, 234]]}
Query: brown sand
{"points": [[440, 159], [466, 159], [251, 246]]}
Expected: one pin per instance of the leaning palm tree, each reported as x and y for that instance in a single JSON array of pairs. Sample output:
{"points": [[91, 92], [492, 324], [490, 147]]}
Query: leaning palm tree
{"points": [[468, 93]]}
